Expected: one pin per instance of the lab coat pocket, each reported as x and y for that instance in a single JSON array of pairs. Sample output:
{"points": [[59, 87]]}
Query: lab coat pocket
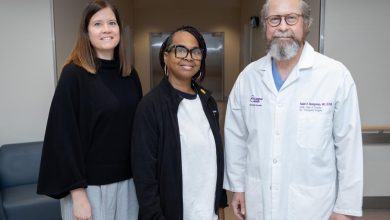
{"points": [[313, 130], [310, 202], [254, 199]]}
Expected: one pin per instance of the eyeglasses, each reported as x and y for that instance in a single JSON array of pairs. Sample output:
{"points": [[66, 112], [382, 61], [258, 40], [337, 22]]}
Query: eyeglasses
{"points": [[275, 20], [182, 52]]}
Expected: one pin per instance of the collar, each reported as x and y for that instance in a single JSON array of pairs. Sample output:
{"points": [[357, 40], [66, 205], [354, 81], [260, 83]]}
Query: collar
{"points": [[306, 61], [173, 95]]}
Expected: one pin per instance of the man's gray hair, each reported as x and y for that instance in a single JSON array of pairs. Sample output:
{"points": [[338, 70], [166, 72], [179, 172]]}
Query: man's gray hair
{"points": [[305, 10]]}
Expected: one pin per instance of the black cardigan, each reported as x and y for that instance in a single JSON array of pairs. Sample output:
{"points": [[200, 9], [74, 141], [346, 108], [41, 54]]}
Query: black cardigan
{"points": [[88, 133], [156, 153]]}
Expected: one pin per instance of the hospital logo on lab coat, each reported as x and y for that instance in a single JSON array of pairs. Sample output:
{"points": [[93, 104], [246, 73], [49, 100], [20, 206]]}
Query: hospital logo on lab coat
{"points": [[255, 101]]}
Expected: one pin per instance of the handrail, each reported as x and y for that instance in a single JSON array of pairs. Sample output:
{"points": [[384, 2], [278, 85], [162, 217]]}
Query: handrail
{"points": [[376, 128]]}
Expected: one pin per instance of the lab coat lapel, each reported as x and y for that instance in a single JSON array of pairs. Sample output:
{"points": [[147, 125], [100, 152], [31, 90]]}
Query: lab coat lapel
{"points": [[306, 61], [265, 69]]}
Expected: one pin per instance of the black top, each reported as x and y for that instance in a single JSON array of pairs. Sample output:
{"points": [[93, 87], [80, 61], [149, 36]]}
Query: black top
{"points": [[88, 133], [156, 153]]}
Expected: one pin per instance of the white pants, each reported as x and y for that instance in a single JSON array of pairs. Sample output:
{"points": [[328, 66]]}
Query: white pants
{"points": [[115, 201]]}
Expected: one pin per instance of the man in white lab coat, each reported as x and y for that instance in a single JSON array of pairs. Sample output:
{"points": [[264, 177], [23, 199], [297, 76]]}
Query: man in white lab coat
{"points": [[292, 129]]}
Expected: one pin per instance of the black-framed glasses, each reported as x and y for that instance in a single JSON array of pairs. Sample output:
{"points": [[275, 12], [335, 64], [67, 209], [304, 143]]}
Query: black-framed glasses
{"points": [[275, 20], [182, 52]]}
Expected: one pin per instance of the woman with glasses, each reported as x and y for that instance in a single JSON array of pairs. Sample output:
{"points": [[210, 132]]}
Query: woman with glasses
{"points": [[177, 155]]}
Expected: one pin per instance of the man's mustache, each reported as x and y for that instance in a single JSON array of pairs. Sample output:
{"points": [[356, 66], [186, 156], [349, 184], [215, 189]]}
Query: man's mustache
{"points": [[284, 34]]}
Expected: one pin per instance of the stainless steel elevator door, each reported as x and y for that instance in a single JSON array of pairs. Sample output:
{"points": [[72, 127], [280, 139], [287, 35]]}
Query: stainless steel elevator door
{"points": [[214, 61]]}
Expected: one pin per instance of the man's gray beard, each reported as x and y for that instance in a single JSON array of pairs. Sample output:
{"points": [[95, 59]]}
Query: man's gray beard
{"points": [[283, 49]]}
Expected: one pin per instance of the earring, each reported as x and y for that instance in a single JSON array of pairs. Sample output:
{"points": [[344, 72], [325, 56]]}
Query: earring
{"points": [[199, 77], [166, 70]]}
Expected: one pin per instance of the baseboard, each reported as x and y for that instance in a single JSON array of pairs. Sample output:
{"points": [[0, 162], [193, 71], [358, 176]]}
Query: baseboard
{"points": [[376, 202]]}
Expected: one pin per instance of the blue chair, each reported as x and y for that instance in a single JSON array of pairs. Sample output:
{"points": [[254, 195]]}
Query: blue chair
{"points": [[19, 168]]}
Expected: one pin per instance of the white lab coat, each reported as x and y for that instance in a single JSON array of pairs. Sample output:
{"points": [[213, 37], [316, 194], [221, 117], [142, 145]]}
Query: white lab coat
{"points": [[296, 153]]}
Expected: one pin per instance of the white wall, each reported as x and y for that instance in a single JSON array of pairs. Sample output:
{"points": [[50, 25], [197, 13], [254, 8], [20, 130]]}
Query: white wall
{"points": [[376, 170], [27, 69], [356, 33]]}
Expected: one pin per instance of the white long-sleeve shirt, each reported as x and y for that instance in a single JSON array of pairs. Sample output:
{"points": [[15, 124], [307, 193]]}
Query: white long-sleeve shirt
{"points": [[199, 161], [296, 153]]}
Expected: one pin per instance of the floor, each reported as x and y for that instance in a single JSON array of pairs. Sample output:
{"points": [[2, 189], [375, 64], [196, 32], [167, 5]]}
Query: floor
{"points": [[369, 214]]}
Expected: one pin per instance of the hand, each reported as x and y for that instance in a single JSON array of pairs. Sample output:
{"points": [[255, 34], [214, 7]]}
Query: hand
{"points": [[337, 216], [221, 214], [238, 205], [81, 207]]}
